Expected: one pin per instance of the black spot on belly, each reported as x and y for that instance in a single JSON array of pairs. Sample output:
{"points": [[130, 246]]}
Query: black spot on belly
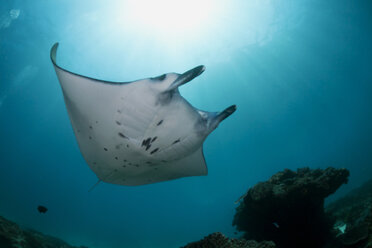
{"points": [[122, 135], [116, 158], [148, 147], [90, 137], [124, 166], [118, 123], [153, 139], [90, 127], [146, 142], [159, 123], [119, 111], [176, 141], [105, 149], [96, 122], [155, 150]]}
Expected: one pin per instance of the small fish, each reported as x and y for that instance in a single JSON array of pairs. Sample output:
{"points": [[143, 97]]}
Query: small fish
{"points": [[276, 224], [42, 209]]}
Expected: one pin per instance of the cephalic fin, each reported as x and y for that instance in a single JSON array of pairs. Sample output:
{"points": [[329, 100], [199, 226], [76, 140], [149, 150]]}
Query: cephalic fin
{"points": [[186, 77]]}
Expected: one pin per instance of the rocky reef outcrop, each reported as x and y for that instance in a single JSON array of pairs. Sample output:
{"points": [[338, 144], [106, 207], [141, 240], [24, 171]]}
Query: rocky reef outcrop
{"points": [[352, 218], [289, 208], [12, 236], [286, 211], [218, 240]]}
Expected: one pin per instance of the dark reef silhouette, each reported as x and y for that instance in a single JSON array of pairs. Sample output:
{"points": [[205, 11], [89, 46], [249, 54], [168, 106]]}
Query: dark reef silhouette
{"points": [[11, 235], [218, 240], [289, 208], [285, 211], [288, 211], [352, 218]]}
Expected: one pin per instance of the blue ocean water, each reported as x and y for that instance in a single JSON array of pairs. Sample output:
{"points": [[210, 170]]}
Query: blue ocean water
{"points": [[299, 72]]}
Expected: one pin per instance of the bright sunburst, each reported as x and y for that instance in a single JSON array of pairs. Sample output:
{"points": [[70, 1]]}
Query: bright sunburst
{"points": [[168, 16], [177, 31], [168, 20]]}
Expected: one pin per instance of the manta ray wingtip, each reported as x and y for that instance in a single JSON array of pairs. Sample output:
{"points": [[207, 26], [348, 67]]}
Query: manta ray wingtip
{"points": [[53, 53], [55, 46]]}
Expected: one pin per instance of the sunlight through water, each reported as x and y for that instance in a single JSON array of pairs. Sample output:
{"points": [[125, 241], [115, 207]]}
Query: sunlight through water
{"points": [[202, 31]]}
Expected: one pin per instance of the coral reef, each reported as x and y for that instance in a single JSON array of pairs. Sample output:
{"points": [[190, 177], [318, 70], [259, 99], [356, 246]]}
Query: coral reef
{"points": [[218, 240], [352, 216], [289, 208], [286, 211], [12, 236]]}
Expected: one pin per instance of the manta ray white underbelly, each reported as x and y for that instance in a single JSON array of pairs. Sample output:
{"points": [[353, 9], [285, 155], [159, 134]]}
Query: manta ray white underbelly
{"points": [[140, 132]]}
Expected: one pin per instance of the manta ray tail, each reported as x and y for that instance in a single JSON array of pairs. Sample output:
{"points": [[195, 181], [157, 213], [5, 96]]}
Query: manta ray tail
{"points": [[99, 180]]}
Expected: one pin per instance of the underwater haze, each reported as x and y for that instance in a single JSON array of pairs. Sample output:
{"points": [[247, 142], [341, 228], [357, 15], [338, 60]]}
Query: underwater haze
{"points": [[299, 72]]}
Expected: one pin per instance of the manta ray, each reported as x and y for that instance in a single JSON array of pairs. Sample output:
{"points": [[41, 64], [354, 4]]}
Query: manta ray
{"points": [[138, 132]]}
